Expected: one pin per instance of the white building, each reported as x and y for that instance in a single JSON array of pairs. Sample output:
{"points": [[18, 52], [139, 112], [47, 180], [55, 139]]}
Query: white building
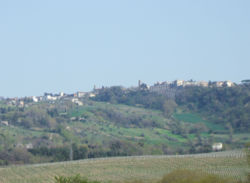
{"points": [[49, 97], [228, 83], [35, 99], [76, 101], [178, 82], [6, 123], [92, 95], [219, 83], [61, 94], [21, 103], [80, 94], [29, 146], [217, 146], [202, 83]]}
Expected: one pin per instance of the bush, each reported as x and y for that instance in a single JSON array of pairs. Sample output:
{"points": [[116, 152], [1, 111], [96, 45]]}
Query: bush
{"points": [[73, 179], [177, 176], [189, 176]]}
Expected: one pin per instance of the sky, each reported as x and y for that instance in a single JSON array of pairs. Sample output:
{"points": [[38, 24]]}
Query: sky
{"points": [[69, 46]]}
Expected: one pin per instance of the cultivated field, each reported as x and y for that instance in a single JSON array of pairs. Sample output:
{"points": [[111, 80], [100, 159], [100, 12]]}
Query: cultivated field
{"points": [[231, 164]]}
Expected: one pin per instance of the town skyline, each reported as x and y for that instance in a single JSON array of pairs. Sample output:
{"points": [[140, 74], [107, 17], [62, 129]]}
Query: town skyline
{"points": [[155, 87]]}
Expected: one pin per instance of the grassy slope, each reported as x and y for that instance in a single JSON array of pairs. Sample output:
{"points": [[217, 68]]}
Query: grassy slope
{"points": [[195, 118], [111, 130], [231, 164], [97, 129]]}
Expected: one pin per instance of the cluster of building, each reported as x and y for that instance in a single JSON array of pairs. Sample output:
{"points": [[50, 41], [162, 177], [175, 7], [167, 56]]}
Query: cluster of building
{"points": [[167, 88], [50, 97], [61, 95], [162, 87], [182, 83]]}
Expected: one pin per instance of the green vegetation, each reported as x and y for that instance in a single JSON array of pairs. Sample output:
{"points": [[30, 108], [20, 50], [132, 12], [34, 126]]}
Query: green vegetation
{"points": [[188, 176], [177, 176], [228, 165], [220, 105], [120, 122], [196, 118], [73, 179]]}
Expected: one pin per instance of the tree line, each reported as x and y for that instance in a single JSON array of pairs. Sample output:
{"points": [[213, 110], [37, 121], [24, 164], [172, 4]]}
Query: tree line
{"points": [[223, 105]]}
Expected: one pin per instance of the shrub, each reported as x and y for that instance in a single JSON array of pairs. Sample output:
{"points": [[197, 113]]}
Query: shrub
{"points": [[177, 176], [189, 176], [73, 179]]}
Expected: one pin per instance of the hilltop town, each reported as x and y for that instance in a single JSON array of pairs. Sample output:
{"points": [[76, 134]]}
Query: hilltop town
{"points": [[167, 88]]}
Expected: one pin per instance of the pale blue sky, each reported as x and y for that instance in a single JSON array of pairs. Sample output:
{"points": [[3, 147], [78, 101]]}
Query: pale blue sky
{"points": [[59, 45]]}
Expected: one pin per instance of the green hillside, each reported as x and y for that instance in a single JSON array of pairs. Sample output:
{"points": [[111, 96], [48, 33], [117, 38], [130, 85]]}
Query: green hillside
{"points": [[102, 129], [196, 118], [123, 122]]}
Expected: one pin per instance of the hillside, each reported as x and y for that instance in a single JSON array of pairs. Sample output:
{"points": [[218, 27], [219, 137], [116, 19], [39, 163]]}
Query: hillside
{"points": [[227, 106], [229, 164], [120, 123]]}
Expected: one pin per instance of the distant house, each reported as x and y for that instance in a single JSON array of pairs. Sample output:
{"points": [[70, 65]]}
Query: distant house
{"points": [[12, 101], [40, 98], [228, 83], [21, 103], [178, 83], [218, 83], [80, 94], [35, 99], [82, 119], [202, 83], [76, 101], [217, 146], [61, 94], [92, 95], [6, 123], [73, 118], [49, 97], [79, 103], [29, 146]]}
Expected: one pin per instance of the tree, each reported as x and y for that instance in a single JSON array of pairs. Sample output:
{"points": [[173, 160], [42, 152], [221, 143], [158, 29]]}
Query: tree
{"points": [[246, 81], [80, 152], [169, 107], [230, 132]]}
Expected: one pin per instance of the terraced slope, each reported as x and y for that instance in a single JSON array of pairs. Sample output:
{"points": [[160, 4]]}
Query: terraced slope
{"points": [[231, 164]]}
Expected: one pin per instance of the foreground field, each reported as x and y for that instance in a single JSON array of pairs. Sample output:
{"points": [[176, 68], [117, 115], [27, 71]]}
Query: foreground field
{"points": [[230, 164]]}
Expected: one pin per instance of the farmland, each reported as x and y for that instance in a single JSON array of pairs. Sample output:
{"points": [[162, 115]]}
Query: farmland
{"points": [[229, 164]]}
